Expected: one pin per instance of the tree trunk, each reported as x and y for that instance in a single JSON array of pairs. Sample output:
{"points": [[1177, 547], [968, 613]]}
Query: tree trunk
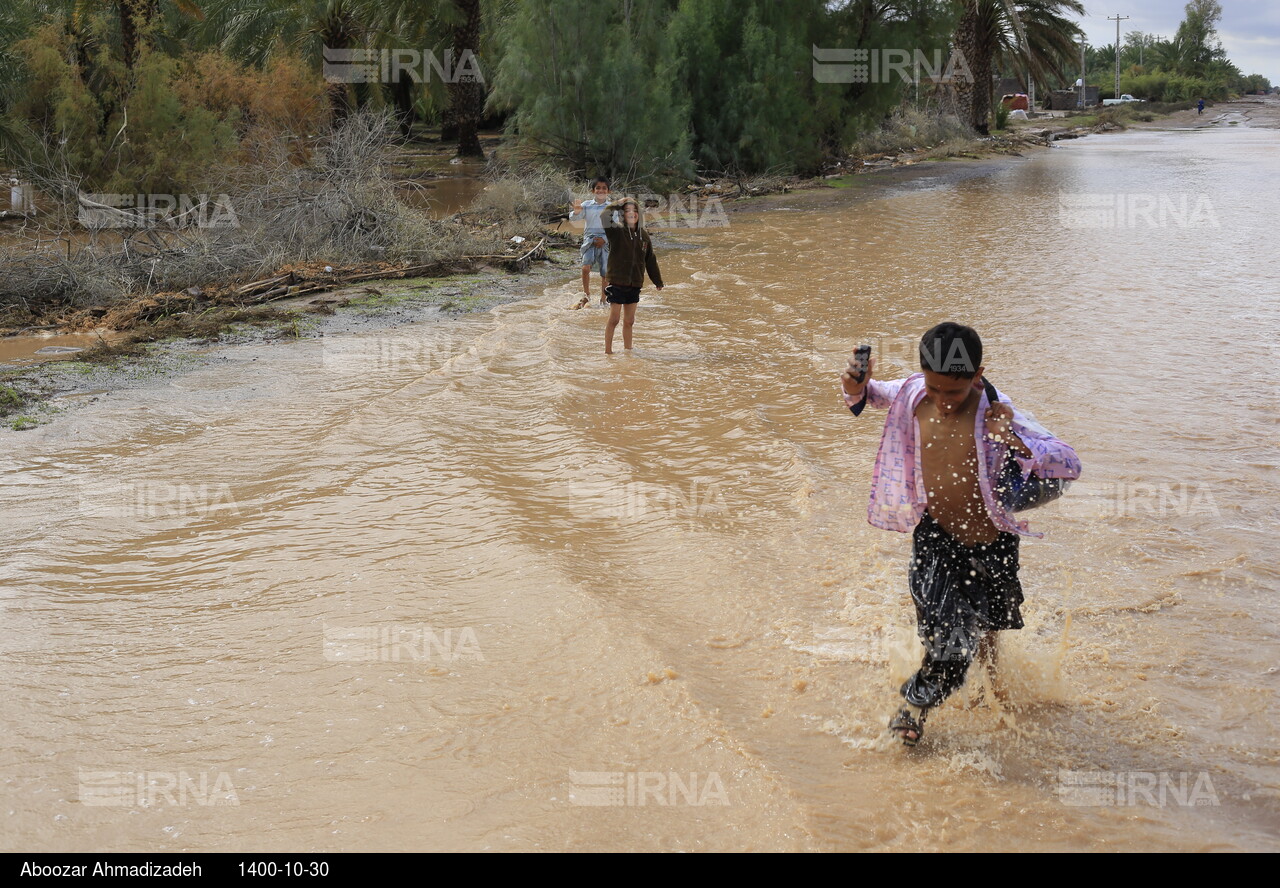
{"points": [[982, 88], [967, 81], [449, 123], [402, 96], [466, 92], [339, 101], [135, 16], [983, 73]]}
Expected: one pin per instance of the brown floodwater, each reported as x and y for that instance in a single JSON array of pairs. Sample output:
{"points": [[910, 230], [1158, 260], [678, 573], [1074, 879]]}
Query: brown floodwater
{"points": [[454, 190], [473, 585], [35, 347]]}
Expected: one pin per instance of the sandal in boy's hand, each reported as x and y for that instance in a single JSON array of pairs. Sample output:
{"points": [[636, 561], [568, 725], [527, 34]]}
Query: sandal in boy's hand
{"points": [[849, 378]]}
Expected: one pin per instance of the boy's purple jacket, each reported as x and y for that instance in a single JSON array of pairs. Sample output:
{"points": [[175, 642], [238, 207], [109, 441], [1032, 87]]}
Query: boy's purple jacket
{"points": [[898, 498]]}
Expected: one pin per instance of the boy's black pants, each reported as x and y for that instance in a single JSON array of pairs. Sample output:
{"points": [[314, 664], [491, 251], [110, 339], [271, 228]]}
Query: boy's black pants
{"points": [[961, 593]]}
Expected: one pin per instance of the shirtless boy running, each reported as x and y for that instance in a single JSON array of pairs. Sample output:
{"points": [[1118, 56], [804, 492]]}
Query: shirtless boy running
{"points": [[943, 447]]}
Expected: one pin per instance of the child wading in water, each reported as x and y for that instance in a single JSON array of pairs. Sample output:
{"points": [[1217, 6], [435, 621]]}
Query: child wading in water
{"points": [[595, 248], [630, 257], [943, 448]]}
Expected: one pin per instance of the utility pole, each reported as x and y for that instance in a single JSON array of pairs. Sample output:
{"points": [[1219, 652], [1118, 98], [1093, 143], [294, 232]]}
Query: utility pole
{"points": [[1117, 18]]}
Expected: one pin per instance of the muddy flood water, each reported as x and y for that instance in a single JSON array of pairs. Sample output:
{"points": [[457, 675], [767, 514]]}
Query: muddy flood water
{"points": [[473, 585]]}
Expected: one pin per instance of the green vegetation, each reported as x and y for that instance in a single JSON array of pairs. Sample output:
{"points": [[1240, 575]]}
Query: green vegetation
{"points": [[10, 400], [151, 95], [1191, 65], [13, 401]]}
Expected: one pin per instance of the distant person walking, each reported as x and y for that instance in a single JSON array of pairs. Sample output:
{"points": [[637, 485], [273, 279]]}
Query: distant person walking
{"points": [[1200, 107]]}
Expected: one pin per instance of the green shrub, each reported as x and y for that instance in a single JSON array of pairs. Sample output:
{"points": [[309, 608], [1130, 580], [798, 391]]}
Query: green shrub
{"points": [[161, 126], [10, 400]]}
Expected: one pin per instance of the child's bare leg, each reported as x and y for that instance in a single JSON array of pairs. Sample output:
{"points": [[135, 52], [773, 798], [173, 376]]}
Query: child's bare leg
{"points": [[586, 279], [628, 320], [989, 655], [604, 285], [615, 311]]}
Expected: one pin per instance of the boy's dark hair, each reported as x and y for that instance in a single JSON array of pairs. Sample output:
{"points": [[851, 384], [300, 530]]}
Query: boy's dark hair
{"points": [[951, 349], [597, 180]]}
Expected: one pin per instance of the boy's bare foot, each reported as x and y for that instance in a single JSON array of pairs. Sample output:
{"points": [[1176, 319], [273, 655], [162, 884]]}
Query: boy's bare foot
{"points": [[608, 351]]}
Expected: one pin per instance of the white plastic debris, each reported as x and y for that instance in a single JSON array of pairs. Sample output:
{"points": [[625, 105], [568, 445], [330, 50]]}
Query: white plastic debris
{"points": [[517, 239], [328, 269]]}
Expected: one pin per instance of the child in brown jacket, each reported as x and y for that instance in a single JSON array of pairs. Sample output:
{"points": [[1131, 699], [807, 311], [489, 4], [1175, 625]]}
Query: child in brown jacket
{"points": [[630, 257]]}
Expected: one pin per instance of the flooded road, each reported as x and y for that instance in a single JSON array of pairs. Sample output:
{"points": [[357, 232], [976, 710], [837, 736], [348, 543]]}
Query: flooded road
{"points": [[473, 585]]}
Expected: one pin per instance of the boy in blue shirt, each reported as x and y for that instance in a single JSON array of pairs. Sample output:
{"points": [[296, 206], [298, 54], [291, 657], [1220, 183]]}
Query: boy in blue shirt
{"points": [[595, 247]]}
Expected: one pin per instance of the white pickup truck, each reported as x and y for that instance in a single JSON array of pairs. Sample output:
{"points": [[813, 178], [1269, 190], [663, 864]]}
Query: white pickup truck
{"points": [[1123, 100]]}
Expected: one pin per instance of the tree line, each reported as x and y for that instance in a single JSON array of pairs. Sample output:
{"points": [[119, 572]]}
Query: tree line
{"points": [[1191, 64], [145, 93]]}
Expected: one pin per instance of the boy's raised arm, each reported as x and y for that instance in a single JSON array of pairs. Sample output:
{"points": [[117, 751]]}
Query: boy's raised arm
{"points": [[858, 394]]}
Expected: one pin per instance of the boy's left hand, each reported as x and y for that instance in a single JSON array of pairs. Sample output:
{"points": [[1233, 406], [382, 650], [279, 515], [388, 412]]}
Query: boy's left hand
{"points": [[999, 423]]}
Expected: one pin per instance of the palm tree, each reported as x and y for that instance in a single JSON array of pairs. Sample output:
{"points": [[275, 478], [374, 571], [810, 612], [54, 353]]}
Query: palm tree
{"points": [[136, 17], [1050, 42], [1033, 36], [467, 97], [253, 29], [440, 26]]}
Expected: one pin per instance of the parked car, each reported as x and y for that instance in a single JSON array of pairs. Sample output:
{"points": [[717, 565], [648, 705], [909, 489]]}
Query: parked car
{"points": [[1123, 100]]}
